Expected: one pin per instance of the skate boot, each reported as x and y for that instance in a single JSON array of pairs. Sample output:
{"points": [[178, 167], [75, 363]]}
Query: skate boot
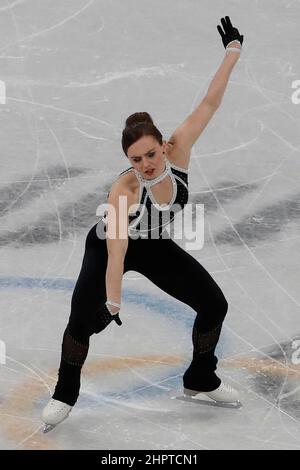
{"points": [[54, 413], [224, 396]]}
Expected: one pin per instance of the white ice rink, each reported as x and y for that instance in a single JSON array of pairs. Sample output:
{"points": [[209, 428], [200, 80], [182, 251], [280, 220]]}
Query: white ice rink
{"points": [[74, 70]]}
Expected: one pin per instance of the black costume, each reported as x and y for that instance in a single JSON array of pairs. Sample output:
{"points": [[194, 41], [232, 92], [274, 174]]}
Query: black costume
{"points": [[164, 263]]}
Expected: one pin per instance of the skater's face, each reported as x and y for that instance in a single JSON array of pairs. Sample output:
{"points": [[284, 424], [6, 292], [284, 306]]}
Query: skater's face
{"points": [[146, 156]]}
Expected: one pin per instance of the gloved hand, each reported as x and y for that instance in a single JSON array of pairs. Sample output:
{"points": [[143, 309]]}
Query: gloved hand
{"points": [[117, 319], [230, 33], [114, 311], [104, 318]]}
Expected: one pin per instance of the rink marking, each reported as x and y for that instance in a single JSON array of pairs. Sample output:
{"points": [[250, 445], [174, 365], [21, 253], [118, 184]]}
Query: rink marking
{"points": [[50, 28], [26, 432], [17, 409], [255, 364]]}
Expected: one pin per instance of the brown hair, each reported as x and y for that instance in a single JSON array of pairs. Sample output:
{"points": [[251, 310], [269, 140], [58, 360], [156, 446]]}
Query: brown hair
{"points": [[136, 126]]}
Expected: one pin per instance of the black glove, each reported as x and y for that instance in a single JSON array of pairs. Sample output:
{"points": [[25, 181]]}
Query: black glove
{"points": [[230, 33], [104, 318], [117, 318]]}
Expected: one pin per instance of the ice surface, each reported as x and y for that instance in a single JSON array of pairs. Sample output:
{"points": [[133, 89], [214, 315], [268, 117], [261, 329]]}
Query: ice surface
{"points": [[73, 72]]}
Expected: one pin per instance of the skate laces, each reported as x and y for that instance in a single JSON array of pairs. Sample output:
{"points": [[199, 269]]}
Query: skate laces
{"points": [[226, 388], [57, 406]]}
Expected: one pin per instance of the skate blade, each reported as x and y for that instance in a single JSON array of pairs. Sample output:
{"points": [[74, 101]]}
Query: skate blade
{"points": [[221, 404], [48, 428]]}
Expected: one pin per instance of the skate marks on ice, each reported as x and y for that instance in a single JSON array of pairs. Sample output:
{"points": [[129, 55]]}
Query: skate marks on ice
{"points": [[25, 194], [273, 375], [29, 216], [20, 410], [278, 378]]}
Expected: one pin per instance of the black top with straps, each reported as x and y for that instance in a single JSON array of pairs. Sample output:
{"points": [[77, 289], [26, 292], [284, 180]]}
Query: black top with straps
{"points": [[152, 217]]}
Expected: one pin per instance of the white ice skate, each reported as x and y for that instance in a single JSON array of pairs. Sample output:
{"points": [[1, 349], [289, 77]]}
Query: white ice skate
{"points": [[224, 396], [54, 413]]}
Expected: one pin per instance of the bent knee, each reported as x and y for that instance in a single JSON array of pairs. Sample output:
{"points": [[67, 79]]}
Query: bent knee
{"points": [[221, 307], [81, 326], [216, 307]]}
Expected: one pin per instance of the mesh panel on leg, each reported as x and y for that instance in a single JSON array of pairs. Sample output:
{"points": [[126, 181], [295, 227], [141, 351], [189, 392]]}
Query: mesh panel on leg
{"points": [[204, 342], [200, 375], [73, 352]]}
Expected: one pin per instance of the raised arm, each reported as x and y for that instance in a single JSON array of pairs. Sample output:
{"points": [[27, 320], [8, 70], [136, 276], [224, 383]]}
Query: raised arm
{"points": [[184, 137]]}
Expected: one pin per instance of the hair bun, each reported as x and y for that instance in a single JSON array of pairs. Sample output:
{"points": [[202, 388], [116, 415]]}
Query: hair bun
{"points": [[139, 125], [138, 118]]}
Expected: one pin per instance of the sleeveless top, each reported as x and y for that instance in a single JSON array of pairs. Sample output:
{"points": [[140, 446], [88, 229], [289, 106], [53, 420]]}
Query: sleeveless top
{"points": [[150, 219]]}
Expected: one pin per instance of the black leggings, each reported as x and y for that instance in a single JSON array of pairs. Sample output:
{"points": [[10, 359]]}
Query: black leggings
{"points": [[170, 268]]}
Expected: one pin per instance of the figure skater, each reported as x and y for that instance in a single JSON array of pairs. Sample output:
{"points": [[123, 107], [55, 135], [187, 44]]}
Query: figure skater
{"points": [[156, 183]]}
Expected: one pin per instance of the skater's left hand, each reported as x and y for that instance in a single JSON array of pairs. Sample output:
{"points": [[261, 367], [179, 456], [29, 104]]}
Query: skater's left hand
{"points": [[230, 33]]}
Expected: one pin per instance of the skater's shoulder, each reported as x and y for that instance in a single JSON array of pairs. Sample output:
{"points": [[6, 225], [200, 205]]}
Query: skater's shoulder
{"points": [[123, 186], [126, 184]]}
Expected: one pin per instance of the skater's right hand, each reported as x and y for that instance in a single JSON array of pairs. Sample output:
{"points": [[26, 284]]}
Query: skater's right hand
{"points": [[114, 311], [104, 318]]}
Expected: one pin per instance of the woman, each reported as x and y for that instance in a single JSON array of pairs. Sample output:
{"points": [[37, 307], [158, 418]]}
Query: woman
{"points": [[156, 182]]}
